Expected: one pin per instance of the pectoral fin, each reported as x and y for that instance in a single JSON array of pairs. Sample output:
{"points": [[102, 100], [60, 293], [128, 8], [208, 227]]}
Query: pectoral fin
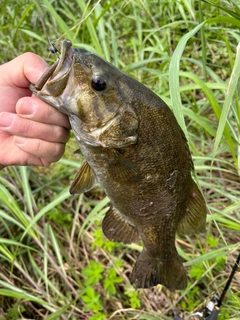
{"points": [[126, 171], [116, 228], [84, 180], [194, 219], [122, 169]]}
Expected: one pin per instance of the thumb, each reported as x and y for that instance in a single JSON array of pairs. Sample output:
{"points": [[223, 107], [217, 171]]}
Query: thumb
{"points": [[26, 68]]}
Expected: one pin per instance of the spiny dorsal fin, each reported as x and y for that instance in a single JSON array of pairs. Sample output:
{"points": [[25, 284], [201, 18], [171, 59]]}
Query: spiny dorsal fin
{"points": [[194, 219], [85, 179], [116, 228]]}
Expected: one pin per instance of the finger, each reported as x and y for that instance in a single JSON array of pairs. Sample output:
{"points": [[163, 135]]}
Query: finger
{"points": [[47, 152], [15, 125], [11, 155], [38, 110], [16, 76], [26, 68]]}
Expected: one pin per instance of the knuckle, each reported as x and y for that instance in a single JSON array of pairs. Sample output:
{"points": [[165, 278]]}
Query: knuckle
{"points": [[38, 146], [55, 152], [59, 151], [48, 152], [60, 134]]}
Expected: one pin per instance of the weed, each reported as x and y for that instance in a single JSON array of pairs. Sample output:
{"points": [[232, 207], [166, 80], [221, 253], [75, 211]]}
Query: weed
{"points": [[110, 281], [92, 299], [93, 272]]}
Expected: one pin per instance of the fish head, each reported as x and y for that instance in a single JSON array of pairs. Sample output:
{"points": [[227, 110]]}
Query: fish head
{"points": [[90, 91]]}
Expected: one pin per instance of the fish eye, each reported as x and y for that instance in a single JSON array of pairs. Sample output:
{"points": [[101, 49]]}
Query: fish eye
{"points": [[98, 84]]}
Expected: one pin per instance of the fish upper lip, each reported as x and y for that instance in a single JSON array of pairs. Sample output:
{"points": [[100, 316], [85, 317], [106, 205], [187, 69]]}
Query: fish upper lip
{"points": [[59, 69], [67, 54]]}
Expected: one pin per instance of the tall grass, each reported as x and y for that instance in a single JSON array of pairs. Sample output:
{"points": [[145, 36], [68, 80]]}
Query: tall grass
{"points": [[55, 262]]}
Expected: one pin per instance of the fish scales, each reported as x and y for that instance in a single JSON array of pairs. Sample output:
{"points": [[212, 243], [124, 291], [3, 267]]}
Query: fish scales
{"points": [[134, 147]]}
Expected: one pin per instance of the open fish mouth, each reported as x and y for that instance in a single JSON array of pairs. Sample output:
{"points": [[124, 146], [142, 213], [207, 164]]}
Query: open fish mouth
{"points": [[54, 80]]}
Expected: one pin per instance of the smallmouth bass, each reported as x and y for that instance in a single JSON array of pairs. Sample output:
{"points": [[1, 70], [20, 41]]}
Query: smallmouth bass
{"points": [[134, 147]]}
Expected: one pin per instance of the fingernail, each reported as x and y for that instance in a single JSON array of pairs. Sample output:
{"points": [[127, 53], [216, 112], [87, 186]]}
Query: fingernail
{"points": [[26, 107], [6, 119], [20, 140]]}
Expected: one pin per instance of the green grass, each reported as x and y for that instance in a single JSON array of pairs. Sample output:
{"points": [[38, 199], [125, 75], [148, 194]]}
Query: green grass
{"points": [[54, 261]]}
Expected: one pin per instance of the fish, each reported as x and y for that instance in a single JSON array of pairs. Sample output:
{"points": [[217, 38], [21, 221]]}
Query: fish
{"points": [[135, 149]]}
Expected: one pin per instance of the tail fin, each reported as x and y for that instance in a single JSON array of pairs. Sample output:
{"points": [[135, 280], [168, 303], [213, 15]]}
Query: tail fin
{"points": [[149, 271]]}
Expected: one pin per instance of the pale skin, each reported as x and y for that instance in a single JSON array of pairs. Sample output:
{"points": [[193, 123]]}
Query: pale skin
{"points": [[31, 131]]}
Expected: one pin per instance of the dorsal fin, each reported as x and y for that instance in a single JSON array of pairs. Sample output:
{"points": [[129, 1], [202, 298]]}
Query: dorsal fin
{"points": [[194, 219]]}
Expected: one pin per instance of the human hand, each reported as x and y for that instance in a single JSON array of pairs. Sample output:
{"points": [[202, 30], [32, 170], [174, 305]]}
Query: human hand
{"points": [[31, 131]]}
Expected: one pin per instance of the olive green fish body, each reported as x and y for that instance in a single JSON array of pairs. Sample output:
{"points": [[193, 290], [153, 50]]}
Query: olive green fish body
{"points": [[134, 147], [147, 184]]}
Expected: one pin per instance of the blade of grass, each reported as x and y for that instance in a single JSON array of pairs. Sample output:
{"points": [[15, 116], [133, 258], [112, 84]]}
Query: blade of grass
{"points": [[15, 292], [230, 12], [10, 203], [223, 19], [51, 288], [62, 26], [114, 45], [56, 249], [211, 255], [27, 190], [203, 41], [33, 34], [213, 102], [61, 197], [96, 214], [174, 77], [91, 28], [22, 19], [233, 81], [103, 37], [55, 315]]}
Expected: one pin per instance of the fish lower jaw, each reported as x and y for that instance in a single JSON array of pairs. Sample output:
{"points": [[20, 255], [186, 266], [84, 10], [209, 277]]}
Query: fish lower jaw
{"points": [[53, 101], [83, 137]]}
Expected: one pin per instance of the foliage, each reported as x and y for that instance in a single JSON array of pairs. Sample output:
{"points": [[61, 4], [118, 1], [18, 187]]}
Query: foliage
{"points": [[54, 261]]}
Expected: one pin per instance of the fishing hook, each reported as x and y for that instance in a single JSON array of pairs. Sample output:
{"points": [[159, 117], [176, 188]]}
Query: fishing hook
{"points": [[52, 47]]}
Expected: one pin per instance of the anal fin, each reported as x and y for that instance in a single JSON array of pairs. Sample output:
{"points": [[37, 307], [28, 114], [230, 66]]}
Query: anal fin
{"points": [[194, 219], [116, 228], [85, 179]]}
